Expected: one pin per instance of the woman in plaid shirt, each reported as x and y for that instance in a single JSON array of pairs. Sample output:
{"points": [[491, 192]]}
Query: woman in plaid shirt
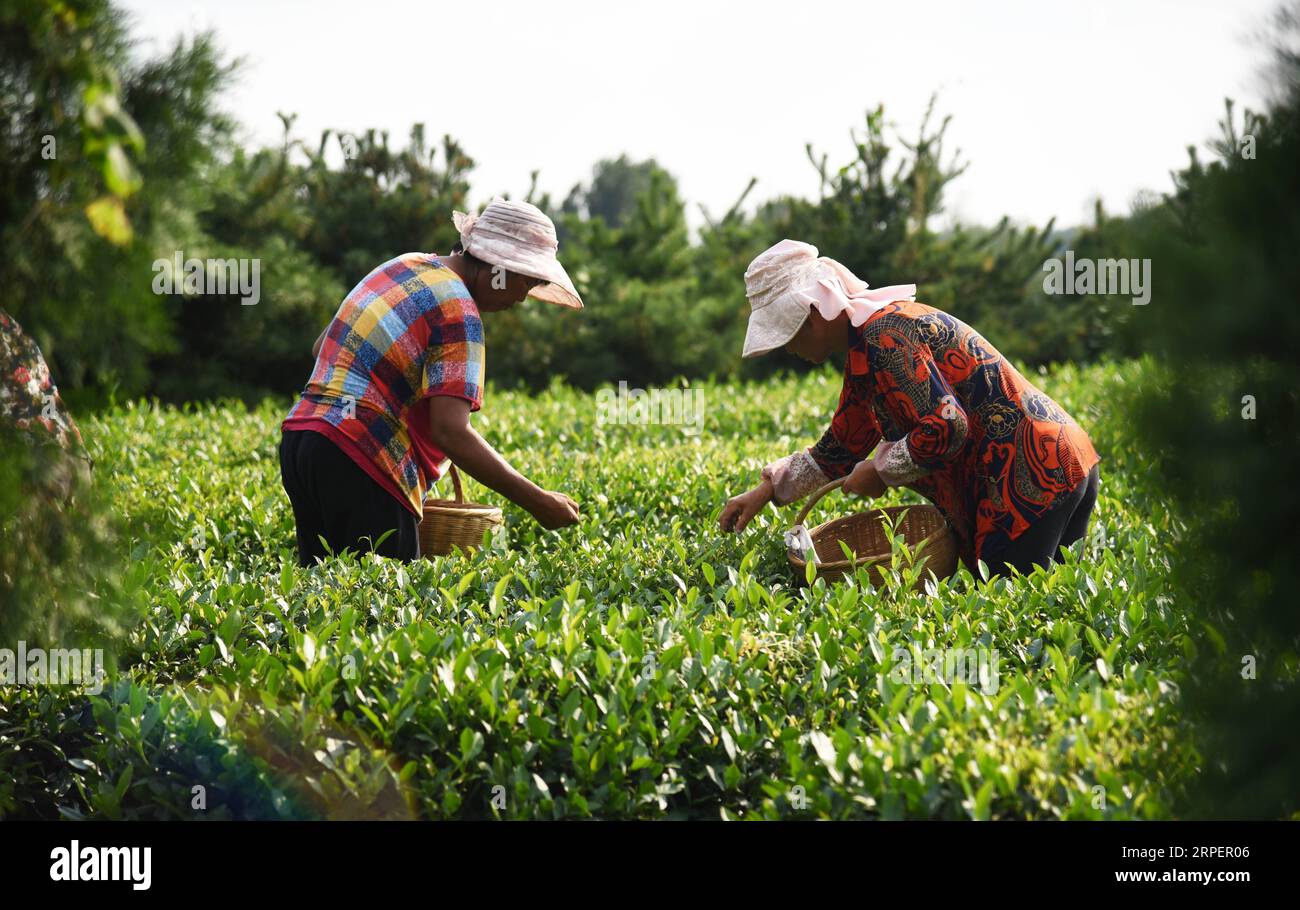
{"points": [[398, 371]]}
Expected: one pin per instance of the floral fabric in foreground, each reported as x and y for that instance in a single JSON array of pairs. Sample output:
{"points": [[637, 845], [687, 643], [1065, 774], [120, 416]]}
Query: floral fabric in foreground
{"points": [[29, 400]]}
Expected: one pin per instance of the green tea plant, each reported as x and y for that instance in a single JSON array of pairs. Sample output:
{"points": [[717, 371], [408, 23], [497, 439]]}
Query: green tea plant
{"points": [[638, 665]]}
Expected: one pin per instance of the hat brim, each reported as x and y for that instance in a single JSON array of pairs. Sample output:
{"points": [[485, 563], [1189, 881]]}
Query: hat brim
{"points": [[558, 288], [556, 292], [770, 327]]}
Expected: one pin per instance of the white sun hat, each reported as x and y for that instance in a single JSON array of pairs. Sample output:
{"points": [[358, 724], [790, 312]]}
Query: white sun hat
{"points": [[785, 280], [520, 238]]}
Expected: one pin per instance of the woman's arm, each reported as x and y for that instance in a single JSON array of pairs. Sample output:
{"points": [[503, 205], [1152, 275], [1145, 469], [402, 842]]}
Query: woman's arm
{"points": [[918, 396], [854, 432], [452, 433], [315, 348], [842, 450]]}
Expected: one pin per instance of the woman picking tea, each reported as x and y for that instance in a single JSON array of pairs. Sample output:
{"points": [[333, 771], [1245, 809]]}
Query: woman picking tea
{"points": [[398, 371], [945, 413]]}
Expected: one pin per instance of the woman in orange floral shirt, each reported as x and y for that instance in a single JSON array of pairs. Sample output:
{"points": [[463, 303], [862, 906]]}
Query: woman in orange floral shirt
{"points": [[944, 412]]}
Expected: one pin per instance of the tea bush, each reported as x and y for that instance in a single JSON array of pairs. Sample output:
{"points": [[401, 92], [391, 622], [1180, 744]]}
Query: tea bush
{"points": [[639, 665]]}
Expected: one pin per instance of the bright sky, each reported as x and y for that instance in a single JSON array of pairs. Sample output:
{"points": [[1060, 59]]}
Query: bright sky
{"points": [[1054, 103]]}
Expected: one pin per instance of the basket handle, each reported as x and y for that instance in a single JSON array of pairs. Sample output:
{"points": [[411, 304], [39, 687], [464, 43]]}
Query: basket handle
{"points": [[812, 500], [455, 483]]}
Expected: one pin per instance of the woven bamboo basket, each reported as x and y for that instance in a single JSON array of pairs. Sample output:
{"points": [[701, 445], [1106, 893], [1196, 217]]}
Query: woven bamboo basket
{"points": [[451, 523], [923, 527]]}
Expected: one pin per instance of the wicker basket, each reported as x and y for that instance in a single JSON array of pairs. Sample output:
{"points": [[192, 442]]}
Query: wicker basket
{"points": [[451, 523], [923, 528]]}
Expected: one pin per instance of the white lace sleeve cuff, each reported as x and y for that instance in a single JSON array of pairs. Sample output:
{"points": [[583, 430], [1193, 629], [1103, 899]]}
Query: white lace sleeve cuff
{"points": [[895, 466], [794, 477]]}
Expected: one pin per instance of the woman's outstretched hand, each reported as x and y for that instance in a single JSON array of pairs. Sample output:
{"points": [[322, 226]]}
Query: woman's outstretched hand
{"points": [[865, 480], [740, 510], [555, 510]]}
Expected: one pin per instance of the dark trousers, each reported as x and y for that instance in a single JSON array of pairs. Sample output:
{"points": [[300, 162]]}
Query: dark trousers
{"points": [[334, 499], [1065, 523]]}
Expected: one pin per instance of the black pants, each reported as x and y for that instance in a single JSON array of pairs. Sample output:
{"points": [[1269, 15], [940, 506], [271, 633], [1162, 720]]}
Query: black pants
{"points": [[1065, 523], [335, 499]]}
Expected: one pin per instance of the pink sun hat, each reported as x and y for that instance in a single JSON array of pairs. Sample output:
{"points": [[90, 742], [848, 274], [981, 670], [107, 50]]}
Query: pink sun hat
{"points": [[788, 278], [518, 237]]}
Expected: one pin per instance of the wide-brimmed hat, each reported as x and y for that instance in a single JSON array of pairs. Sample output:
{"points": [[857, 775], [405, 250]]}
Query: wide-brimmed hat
{"points": [[520, 238], [786, 280]]}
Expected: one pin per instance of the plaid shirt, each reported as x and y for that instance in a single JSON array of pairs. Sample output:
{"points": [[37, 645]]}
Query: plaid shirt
{"points": [[407, 332]]}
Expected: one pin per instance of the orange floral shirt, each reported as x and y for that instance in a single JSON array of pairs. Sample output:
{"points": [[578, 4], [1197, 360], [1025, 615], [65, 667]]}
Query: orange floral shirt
{"points": [[989, 449]]}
